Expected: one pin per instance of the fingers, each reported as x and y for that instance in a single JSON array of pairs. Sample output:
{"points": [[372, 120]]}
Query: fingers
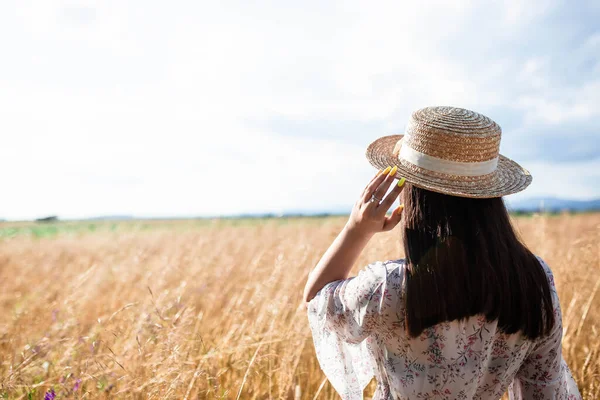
{"points": [[378, 174], [393, 220], [375, 182], [392, 195], [385, 185]]}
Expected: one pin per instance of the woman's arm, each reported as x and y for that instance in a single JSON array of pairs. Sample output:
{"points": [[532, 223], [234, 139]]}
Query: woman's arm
{"points": [[367, 218]]}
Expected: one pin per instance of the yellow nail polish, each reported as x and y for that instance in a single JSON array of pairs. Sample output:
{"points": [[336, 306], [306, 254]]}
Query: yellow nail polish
{"points": [[401, 182], [393, 171], [385, 171], [399, 208]]}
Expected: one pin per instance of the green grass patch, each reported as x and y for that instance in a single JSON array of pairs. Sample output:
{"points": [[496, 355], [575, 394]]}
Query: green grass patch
{"points": [[42, 230]]}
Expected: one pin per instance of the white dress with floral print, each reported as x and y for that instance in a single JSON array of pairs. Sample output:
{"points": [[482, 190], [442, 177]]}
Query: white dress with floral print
{"points": [[358, 332]]}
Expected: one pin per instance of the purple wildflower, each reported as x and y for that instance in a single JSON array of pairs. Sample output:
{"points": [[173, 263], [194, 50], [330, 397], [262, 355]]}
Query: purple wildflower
{"points": [[50, 395], [77, 384]]}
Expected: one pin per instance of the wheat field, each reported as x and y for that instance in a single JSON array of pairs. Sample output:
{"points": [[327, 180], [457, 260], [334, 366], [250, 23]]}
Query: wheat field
{"points": [[212, 310]]}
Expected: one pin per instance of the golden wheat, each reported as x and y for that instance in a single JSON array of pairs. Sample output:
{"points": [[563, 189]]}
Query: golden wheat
{"points": [[215, 311]]}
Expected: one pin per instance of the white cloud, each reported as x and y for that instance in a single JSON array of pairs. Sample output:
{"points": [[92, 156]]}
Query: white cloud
{"points": [[524, 12], [571, 104], [577, 180]]}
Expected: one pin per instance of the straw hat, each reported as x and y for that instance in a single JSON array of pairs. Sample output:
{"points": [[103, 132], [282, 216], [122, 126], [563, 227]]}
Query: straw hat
{"points": [[452, 151]]}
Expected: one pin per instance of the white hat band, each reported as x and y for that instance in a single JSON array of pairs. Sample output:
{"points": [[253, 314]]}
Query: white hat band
{"points": [[446, 166]]}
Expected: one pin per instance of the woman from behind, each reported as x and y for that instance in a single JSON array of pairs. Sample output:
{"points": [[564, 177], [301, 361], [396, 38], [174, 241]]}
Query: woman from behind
{"points": [[470, 312]]}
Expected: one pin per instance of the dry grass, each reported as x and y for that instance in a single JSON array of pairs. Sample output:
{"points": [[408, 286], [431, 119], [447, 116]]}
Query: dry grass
{"points": [[213, 312]]}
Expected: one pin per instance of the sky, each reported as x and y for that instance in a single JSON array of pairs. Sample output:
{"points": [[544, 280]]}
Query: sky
{"points": [[194, 108]]}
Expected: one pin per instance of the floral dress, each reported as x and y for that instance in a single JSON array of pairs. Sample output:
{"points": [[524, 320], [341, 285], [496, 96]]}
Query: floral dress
{"points": [[357, 326]]}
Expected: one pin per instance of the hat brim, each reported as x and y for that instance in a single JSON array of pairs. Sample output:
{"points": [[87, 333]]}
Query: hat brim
{"points": [[508, 178]]}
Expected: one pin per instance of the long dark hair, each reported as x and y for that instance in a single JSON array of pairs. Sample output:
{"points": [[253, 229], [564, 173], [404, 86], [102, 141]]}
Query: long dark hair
{"points": [[463, 259]]}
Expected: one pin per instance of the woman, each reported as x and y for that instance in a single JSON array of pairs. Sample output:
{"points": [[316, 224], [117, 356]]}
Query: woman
{"points": [[470, 312]]}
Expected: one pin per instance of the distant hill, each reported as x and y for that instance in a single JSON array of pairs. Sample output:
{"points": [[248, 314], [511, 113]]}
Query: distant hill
{"points": [[51, 218], [553, 204]]}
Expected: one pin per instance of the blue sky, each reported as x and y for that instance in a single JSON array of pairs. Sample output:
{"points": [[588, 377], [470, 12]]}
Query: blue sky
{"points": [[198, 108]]}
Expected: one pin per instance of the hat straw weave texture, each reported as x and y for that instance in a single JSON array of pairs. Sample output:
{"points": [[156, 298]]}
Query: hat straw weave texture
{"points": [[451, 150]]}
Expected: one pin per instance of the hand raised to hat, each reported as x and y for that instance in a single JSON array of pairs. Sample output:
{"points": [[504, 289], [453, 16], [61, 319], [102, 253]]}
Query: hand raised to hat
{"points": [[367, 218], [369, 213]]}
